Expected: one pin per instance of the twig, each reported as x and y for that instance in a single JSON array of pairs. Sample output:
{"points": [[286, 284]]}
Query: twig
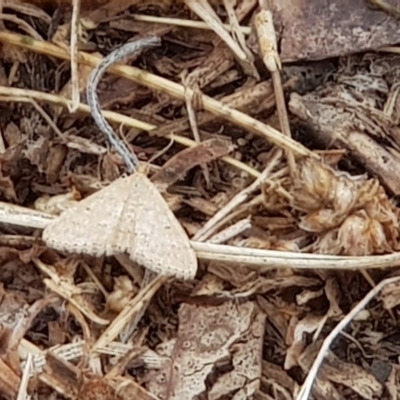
{"points": [[187, 23], [270, 259], [190, 97], [207, 230], [390, 49], [239, 36], [127, 333], [131, 310], [25, 95], [269, 50], [262, 259], [203, 9], [76, 5], [23, 25], [22, 392], [307, 385], [231, 231], [384, 6], [128, 49], [172, 88]]}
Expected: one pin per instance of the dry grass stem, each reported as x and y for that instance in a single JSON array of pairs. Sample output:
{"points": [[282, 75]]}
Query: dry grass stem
{"points": [[171, 88], [209, 227], [269, 259], [128, 314], [223, 237], [231, 231], [23, 25], [26, 375], [25, 95], [305, 391], [186, 23], [269, 50], [76, 5]]}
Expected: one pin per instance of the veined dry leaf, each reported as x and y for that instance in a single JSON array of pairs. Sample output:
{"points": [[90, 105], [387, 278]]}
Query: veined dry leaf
{"points": [[270, 244], [83, 145], [16, 318], [11, 53], [313, 185], [393, 382], [61, 281], [325, 390], [123, 91], [54, 162], [129, 389], [276, 315], [334, 370], [96, 388], [13, 135], [61, 375], [278, 376], [264, 285], [327, 243], [356, 111]]}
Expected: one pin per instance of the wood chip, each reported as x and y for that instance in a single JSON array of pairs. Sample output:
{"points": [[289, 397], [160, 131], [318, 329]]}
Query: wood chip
{"points": [[220, 343], [129, 215], [314, 30]]}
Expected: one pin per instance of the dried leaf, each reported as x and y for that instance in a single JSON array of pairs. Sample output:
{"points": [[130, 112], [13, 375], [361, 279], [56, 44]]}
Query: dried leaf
{"points": [[352, 376], [36, 152], [297, 340], [176, 167]]}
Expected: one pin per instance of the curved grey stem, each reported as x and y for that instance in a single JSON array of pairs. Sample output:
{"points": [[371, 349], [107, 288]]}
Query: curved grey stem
{"points": [[128, 49]]}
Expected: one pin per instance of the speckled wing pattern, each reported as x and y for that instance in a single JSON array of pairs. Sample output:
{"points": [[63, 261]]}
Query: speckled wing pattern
{"points": [[88, 227], [160, 243], [129, 215]]}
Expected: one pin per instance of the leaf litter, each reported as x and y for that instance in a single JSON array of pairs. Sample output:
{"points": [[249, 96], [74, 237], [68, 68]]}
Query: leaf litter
{"points": [[276, 220]]}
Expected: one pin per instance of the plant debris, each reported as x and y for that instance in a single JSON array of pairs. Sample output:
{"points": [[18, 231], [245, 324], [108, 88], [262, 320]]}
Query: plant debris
{"points": [[280, 179]]}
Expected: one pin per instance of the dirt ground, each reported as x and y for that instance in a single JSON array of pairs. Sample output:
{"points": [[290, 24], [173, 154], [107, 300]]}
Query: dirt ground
{"points": [[254, 254]]}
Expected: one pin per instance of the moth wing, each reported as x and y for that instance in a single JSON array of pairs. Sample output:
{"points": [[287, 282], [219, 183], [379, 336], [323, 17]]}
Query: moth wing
{"points": [[89, 226], [158, 240]]}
